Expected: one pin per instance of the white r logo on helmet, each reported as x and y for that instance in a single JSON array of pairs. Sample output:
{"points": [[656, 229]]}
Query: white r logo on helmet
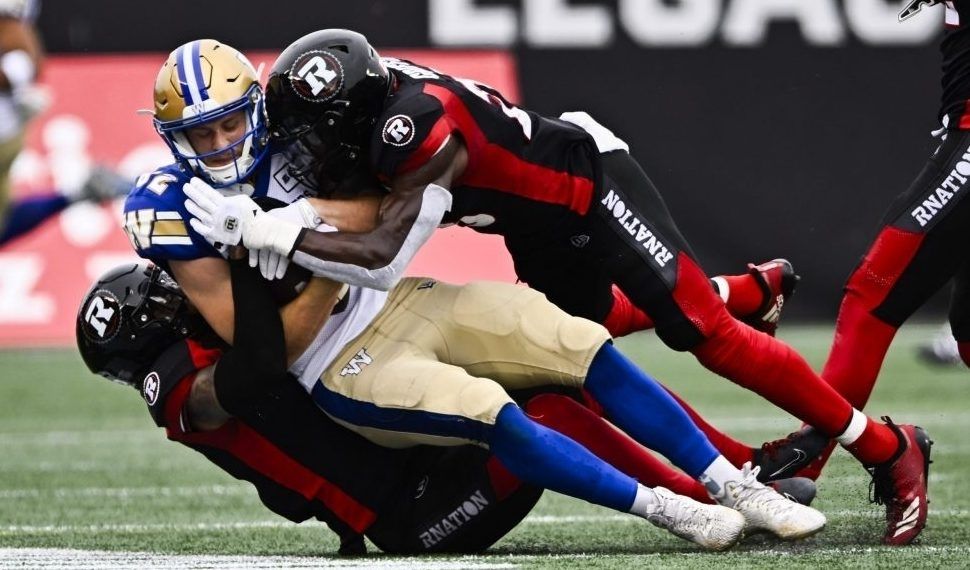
{"points": [[316, 76]]}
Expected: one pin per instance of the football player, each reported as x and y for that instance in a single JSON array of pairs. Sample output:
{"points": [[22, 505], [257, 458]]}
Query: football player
{"points": [[577, 212], [209, 109], [916, 251], [21, 57], [129, 316]]}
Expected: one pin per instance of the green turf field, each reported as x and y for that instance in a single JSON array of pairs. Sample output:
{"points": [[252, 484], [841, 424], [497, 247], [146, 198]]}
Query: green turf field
{"points": [[83, 469]]}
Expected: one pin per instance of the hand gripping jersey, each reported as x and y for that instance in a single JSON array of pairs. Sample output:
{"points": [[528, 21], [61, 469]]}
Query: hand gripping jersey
{"points": [[522, 167], [157, 223]]}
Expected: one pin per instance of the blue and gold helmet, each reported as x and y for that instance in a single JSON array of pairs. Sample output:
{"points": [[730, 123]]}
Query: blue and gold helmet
{"points": [[205, 81]]}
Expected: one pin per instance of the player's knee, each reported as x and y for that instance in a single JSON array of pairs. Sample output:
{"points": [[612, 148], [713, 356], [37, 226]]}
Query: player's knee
{"points": [[550, 409]]}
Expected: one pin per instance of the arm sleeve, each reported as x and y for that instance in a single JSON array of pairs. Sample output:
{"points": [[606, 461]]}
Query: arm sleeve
{"points": [[435, 201], [258, 357]]}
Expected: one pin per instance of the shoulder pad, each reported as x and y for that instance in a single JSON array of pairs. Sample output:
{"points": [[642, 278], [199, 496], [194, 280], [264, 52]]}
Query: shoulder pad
{"points": [[411, 125]]}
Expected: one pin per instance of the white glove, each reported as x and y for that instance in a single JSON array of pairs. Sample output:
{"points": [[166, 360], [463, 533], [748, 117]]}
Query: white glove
{"points": [[271, 264], [237, 219]]}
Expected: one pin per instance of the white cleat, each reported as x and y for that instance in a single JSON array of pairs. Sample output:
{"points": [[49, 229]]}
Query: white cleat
{"points": [[765, 509], [711, 526]]}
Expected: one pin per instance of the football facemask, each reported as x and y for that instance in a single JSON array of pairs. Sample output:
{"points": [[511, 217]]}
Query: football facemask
{"points": [[200, 84]]}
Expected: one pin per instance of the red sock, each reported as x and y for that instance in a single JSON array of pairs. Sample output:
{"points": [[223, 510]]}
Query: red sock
{"points": [[733, 450], [593, 432], [625, 317], [877, 443], [744, 294]]}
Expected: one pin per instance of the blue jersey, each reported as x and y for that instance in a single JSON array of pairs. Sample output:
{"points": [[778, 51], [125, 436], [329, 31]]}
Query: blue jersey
{"points": [[157, 223]]}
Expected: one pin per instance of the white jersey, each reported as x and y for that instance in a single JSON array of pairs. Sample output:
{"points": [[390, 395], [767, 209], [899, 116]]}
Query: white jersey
{"points": [[362, 306]]}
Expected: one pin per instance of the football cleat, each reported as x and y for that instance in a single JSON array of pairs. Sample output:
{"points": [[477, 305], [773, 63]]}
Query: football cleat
{"points": [[783, 458], [798, 489], [764, 509], [713, 527], [901, 482], [777, 280]]}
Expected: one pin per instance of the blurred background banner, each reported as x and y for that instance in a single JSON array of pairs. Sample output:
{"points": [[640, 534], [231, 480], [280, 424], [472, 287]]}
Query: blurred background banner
{"points": [[774, 128]]}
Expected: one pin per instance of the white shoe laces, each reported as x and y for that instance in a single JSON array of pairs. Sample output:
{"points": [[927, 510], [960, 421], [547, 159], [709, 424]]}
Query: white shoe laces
{"points": [[751, 491]]}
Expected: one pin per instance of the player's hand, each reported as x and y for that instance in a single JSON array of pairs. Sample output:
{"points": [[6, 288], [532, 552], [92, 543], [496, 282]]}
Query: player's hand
{"points": [[218, 218], [272, 265], [237, 219]]}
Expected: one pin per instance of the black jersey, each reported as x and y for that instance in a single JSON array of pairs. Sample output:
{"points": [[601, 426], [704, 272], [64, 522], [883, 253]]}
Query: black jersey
{"points": [[302, 464], [305, 466], [955, 49], [524, 170]]}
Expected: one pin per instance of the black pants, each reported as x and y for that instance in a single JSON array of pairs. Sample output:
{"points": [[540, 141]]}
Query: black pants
{"points": [[924, 241], [628, 238]]}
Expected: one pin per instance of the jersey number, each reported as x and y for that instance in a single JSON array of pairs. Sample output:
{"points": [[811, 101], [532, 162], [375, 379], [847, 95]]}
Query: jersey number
{"points": [[486, 94]]}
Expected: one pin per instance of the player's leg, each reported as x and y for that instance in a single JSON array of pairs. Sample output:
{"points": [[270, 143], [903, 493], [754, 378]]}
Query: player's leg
{"points": [[653, 265], [514, 335], [404, 396], [578, 284], [912, 257], [756, 298]]}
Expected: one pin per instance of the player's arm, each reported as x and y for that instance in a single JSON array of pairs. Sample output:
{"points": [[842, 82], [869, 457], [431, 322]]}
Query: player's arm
{"points": [[241, 377], [353, 215], [405, 220], [207, 283], [407, 216]]}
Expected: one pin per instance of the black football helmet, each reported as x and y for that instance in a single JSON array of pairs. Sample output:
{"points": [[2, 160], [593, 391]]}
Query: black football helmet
{"points": [[129, 316], [324, 95]]}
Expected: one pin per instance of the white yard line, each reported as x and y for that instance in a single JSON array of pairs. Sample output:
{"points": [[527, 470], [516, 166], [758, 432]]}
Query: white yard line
{"points": [[126, 492], [102, 559], [875, 512]]}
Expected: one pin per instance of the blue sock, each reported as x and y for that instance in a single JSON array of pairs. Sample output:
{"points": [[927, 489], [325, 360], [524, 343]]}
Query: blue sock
{"points": [[26, 214], [547, 458], [644, 410]]}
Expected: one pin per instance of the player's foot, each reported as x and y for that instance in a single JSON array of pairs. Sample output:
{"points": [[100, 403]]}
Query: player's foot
{"points": [[777, 280], [766, 510], [799, 489], [104, 184], [783, 458], [712, 526], [901, 484]]}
